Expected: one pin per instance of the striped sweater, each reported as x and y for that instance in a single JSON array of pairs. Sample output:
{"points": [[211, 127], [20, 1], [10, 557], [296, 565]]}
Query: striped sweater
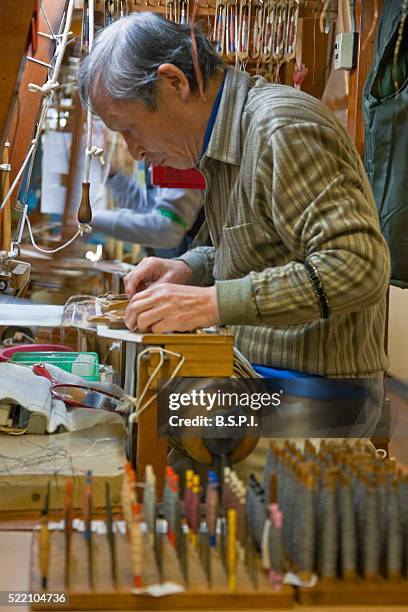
{"points": [[300, 266]]}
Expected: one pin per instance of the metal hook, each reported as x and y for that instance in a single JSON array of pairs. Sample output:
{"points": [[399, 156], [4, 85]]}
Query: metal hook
{"points": [[324, 20]]}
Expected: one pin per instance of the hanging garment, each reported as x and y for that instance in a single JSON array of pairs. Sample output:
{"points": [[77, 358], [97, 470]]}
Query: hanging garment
{"points": [[386, 137]]}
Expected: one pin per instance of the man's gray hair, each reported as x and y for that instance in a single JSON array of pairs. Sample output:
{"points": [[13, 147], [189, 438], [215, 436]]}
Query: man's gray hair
{"points": [[126, 55]]}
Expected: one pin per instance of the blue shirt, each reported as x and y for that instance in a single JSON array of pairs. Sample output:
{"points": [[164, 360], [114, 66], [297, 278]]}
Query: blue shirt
{"points": [[213, 117]]}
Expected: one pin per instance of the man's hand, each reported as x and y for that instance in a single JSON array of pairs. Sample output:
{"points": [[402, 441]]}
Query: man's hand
{"points": [[166, 307], [154, 270]]}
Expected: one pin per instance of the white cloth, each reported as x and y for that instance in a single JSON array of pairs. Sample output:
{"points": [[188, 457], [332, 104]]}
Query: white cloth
{"points": [[31, 315], [19, 384]]}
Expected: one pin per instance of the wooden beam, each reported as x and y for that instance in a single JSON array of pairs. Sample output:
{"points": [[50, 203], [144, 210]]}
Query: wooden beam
{"points": [[5, 214], [77, 129], [15, 29], [314, 54], [25, 116]]}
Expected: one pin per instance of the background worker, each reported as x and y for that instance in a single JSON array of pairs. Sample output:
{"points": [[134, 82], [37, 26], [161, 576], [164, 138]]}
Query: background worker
{"points": [[164, 221]]}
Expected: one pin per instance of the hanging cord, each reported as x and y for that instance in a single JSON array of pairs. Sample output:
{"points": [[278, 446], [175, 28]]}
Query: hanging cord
{"points": [[137, 402], [85, 209], [82, 229], [194, 52], [352, 6], [90, 151]]}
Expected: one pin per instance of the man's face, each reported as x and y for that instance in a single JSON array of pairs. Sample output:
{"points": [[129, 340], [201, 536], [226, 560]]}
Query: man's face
{"points": [[163, 136]]}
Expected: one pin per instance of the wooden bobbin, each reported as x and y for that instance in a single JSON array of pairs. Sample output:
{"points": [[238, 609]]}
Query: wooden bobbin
{"points": [[44, 551], [85, 210], [231, 547]]}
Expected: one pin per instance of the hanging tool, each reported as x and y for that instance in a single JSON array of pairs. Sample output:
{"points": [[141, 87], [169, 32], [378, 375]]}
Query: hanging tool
{"points": [[85, 210]]}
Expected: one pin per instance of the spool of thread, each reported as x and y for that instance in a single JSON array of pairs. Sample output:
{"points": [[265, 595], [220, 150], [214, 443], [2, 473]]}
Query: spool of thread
{"points": [[211, 502], [232, 548], [69, 489], [265, 557], [127, 497], [276, 547], [182, 549], [307, 524], [136, 547], [328, 528], [188, 492], [394, 535], [175, 508], [88, 523], [348, 544], [149, 501], [195, 509], [371, 551], [44, 539]]}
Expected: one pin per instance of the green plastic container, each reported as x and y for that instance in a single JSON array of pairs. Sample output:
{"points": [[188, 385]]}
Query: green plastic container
{"points": [[85, 365]]}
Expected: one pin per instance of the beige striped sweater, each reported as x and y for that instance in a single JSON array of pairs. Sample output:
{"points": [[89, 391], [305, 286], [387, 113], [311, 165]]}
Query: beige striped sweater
{"points": [[291, 214]]}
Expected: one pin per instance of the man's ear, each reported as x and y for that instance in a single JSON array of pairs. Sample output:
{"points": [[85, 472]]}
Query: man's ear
{"points": [[176, 79]]}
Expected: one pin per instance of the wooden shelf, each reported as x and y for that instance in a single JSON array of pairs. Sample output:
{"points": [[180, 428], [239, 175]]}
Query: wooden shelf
{"points": [[197, 596], [355, 592]]}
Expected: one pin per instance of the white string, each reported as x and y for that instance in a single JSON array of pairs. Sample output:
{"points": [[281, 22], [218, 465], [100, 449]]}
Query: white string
{"points": [[80, 232], [19, 175], [45, 89], [47, 21], [151, 377], [137, 402], [89, 151]]}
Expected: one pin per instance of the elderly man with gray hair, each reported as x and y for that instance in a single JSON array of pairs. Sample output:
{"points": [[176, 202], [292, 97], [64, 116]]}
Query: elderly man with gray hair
{"points": [[299, 269]]}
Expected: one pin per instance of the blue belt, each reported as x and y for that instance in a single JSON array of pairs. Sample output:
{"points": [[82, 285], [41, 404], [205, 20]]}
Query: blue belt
{"points": [[310, 386]]}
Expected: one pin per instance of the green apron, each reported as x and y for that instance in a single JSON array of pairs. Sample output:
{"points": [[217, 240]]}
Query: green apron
{"points": [[386, 138]]}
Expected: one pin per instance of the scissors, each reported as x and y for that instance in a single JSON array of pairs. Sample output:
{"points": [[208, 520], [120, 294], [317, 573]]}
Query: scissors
{"points": [[80, 396]]}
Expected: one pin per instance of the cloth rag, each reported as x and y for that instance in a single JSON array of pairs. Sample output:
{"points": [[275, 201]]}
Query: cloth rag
{"points": [[20, 385]]}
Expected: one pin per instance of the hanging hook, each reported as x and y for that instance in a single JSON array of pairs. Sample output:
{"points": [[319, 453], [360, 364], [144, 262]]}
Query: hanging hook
{"points": [[324, 20]]}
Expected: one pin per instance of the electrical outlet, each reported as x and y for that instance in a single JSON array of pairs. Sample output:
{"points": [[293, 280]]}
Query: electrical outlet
{"points": [[345, 51]]}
